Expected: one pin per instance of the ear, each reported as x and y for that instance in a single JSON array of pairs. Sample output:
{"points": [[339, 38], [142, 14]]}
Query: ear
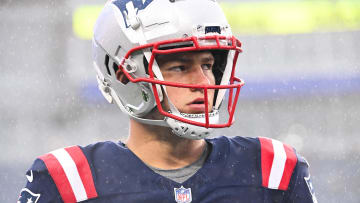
{"points": [[122, 77]]}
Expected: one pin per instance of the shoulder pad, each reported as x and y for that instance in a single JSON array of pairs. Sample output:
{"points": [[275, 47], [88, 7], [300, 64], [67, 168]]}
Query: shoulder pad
{"points": [[278, 161], [70, 170]]}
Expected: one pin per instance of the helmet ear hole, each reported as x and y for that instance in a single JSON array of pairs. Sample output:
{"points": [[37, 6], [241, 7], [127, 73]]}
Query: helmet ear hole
{"points": [[115, 67], [106, 63]]}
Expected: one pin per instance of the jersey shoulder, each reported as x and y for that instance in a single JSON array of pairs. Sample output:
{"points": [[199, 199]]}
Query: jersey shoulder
{"points": [[275, 160], [64, 175], [276, 167], [278, 161], [39, 185]]}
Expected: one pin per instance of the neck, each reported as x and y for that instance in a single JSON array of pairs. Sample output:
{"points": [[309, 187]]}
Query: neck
{"points": [[159, 147]]}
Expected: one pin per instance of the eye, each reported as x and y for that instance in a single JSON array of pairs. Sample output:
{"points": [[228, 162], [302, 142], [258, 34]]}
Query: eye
{"points": [[177, 68], [207, 66]]}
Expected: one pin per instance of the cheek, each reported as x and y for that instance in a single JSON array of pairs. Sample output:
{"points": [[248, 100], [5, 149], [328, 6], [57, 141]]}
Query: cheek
{"points": [[174, 93], [211, 77], [211, 94]]}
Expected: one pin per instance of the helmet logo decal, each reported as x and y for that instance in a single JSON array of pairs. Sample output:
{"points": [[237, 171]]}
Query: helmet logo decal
{"points": [[137, 4]]}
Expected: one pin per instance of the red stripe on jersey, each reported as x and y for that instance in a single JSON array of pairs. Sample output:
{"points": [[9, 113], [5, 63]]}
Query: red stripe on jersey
{"points": [[267, 157], [84, 170], [290, 164], [58, 175]]}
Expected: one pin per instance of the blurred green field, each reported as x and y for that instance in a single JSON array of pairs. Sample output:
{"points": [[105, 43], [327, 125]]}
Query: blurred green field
{"points": [[275, 17], [293, 17]]}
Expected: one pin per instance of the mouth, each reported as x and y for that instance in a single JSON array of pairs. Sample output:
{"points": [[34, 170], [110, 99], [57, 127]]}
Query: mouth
{"points": [[197, 101], [197, 105]]}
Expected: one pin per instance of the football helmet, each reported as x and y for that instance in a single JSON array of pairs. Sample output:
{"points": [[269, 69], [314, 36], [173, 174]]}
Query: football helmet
{"points": [[128, 37]]}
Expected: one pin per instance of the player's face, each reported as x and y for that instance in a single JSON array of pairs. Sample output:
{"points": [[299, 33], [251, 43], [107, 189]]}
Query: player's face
{"points": [[188, 68]]}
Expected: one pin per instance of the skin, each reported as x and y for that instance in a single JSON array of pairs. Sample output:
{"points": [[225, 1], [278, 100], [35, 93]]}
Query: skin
{"points": [[188, 68], [157, 146]]}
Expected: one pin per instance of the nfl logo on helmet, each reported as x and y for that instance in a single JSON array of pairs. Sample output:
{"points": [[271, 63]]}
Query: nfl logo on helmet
{"points": [[182, 195]]}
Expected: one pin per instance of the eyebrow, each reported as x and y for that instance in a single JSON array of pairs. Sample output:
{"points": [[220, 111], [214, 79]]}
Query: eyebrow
{"points": [[208, 59]]}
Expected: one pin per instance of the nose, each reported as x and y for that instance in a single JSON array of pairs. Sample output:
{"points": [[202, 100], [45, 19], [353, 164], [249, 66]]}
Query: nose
{"points": [[199, 77]]}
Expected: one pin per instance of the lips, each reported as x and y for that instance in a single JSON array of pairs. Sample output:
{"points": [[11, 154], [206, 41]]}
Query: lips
{"points": [[198, 101], [197, 105]]}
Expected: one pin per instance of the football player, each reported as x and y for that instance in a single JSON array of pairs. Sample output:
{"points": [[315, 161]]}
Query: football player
{"points": [[170, 66]]}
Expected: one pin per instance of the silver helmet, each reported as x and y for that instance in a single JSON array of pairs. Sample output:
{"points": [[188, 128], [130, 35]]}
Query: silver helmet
{"points": [[129, 34]]}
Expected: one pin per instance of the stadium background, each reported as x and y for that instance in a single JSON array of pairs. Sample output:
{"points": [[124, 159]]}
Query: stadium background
{"points": [[301, 64]]}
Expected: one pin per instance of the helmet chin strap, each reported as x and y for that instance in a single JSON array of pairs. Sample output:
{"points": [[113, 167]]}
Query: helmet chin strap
{"points": [[113, 94]]}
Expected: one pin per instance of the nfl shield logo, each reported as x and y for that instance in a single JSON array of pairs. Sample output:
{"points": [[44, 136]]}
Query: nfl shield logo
{"points": [[182, 195]]}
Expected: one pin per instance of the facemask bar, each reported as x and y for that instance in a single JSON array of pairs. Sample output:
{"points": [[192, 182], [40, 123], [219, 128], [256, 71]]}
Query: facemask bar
{"points": [[218, 43]]}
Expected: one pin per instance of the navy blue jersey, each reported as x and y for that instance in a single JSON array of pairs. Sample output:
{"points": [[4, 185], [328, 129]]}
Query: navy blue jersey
{"points": [[237, 170]]}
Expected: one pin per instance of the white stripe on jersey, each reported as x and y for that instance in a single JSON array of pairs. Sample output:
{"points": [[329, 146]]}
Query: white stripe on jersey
{"points": [[278, 165], [72, 173]]}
